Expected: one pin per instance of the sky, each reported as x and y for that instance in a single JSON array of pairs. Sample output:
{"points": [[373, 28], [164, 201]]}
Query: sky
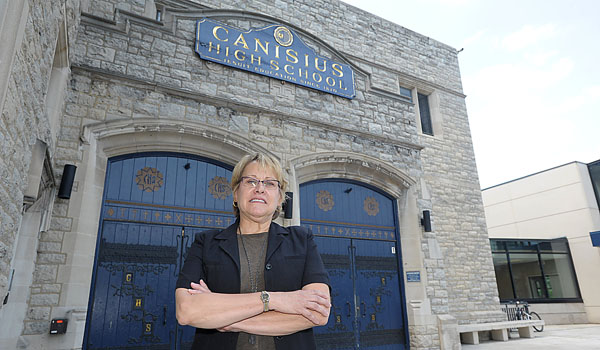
{"points": [[530, 71]]}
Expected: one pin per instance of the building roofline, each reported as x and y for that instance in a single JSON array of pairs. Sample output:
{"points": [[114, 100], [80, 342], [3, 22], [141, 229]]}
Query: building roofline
{"points": [[539, 172]]}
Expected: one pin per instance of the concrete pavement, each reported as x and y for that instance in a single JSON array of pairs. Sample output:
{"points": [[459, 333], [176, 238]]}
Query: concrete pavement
{"points": [[554, 337]]}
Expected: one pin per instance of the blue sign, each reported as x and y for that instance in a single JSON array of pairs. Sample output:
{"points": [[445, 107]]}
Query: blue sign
{"points": [[274, 51], [595, 238], [413, 276]]}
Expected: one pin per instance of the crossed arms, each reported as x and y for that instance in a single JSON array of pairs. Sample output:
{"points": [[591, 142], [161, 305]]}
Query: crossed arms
{"points": [[289, 312]]}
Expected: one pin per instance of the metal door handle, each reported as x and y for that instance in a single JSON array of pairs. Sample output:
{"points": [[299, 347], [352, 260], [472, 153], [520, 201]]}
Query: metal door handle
{"points": [[164, 315], [364, 308]]}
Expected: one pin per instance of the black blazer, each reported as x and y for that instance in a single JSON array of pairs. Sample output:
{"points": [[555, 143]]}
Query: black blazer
{"points": [[292, 261]]}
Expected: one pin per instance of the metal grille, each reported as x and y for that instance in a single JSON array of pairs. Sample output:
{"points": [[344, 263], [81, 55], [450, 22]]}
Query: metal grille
{"points": [[511, 311]]}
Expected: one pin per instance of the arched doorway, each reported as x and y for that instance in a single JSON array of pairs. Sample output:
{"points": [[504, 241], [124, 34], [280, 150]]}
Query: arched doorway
{"points": [[153, 205], [356, 230]]}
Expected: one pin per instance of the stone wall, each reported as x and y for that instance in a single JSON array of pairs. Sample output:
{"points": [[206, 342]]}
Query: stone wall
{"points": [[24, 120], [458, 221], [24, 128]]}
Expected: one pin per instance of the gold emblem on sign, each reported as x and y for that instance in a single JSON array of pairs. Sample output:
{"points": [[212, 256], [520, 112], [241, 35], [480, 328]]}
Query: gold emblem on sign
{"points": [[283, 36], [325, 200], [219, 187], [371, 206], [149, 179]]}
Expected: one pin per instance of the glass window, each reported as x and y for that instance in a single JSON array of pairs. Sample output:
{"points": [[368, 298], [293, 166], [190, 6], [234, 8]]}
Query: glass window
{"points": [[522, 246], [503, 276], [425, 114], [554, 246], [497, 245], [404, 92], [534, 270], [560, 277], [527, 276], [594, 169]]}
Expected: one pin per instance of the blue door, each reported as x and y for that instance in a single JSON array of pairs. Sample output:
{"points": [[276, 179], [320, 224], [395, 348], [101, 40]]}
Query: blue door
{"points": [[356, 232], [153, 206]]}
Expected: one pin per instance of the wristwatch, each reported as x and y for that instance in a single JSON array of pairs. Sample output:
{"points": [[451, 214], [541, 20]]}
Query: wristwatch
{"points": [[264, 296]]}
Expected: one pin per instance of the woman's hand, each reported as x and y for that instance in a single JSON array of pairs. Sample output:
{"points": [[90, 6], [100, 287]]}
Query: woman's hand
{"points": [[301, 302], [198, 288]]}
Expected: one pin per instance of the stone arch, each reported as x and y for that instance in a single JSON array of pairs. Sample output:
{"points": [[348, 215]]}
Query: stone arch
{"points": [[104, 140], [353, 166], [147, 134]]}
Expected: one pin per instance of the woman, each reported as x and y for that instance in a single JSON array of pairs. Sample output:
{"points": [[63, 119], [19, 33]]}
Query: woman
{"points": [[255, 284]]}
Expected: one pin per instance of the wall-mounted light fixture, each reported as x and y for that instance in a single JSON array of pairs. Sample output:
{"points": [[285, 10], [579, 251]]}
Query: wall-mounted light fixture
{"points": [[288, 205], [426, 221], [66, 183]]}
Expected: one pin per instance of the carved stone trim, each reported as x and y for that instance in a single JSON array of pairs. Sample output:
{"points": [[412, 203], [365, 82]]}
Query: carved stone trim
{"points": [[347, 165], [140, 135]]}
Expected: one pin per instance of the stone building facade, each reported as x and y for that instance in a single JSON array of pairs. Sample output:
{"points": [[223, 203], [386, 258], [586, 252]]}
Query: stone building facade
{"points": [[87, 82]]}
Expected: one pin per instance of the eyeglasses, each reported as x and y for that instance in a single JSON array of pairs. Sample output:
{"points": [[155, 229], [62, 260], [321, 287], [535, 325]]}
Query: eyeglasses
{"points": [[248, 181]]}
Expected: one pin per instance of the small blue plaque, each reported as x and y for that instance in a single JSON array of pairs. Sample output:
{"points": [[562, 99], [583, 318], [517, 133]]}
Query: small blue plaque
{"points": [[413, 276]]}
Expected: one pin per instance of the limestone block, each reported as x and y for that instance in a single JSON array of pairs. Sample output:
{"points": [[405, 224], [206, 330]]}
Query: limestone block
{"points": [[61, 224], [50, 258], [37, 327], [45, 273], [500, 334], [51, 236], [102, 53], [470, 338], [172, 110], [140, 72], [163, 46], [44, 299], [240, 123], [38, 313], [526, 332], [448, 332]]}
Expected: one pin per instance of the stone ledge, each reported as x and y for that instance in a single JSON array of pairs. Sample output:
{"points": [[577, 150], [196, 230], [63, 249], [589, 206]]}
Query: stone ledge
{"points": [[469, 333], [488, 326]]}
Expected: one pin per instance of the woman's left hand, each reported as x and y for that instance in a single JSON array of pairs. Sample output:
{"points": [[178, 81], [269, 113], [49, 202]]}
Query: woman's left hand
{"points": [[198, 288]]}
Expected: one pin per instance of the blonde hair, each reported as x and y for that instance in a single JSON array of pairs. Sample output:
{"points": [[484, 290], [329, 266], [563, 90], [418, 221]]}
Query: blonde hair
{"points": [[265, 162]]}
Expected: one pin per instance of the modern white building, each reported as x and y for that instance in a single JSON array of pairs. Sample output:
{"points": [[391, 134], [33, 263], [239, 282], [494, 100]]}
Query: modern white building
{"points": [[543, 230]]}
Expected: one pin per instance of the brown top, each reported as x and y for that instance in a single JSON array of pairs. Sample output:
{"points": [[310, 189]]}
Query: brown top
{"points": [[256, 247]]}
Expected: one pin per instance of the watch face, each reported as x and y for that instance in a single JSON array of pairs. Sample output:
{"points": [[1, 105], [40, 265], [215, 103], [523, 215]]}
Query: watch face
{"points": [[264, 296]]}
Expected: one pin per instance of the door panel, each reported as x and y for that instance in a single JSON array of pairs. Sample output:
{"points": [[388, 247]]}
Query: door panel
{"points": [[148, 200], [134, 282], [340, 331], [355, 231], [185, 334], [378, 293]]}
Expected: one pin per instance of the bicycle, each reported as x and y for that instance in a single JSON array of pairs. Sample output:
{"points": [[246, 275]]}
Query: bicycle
{"points": [[523, 313]]}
